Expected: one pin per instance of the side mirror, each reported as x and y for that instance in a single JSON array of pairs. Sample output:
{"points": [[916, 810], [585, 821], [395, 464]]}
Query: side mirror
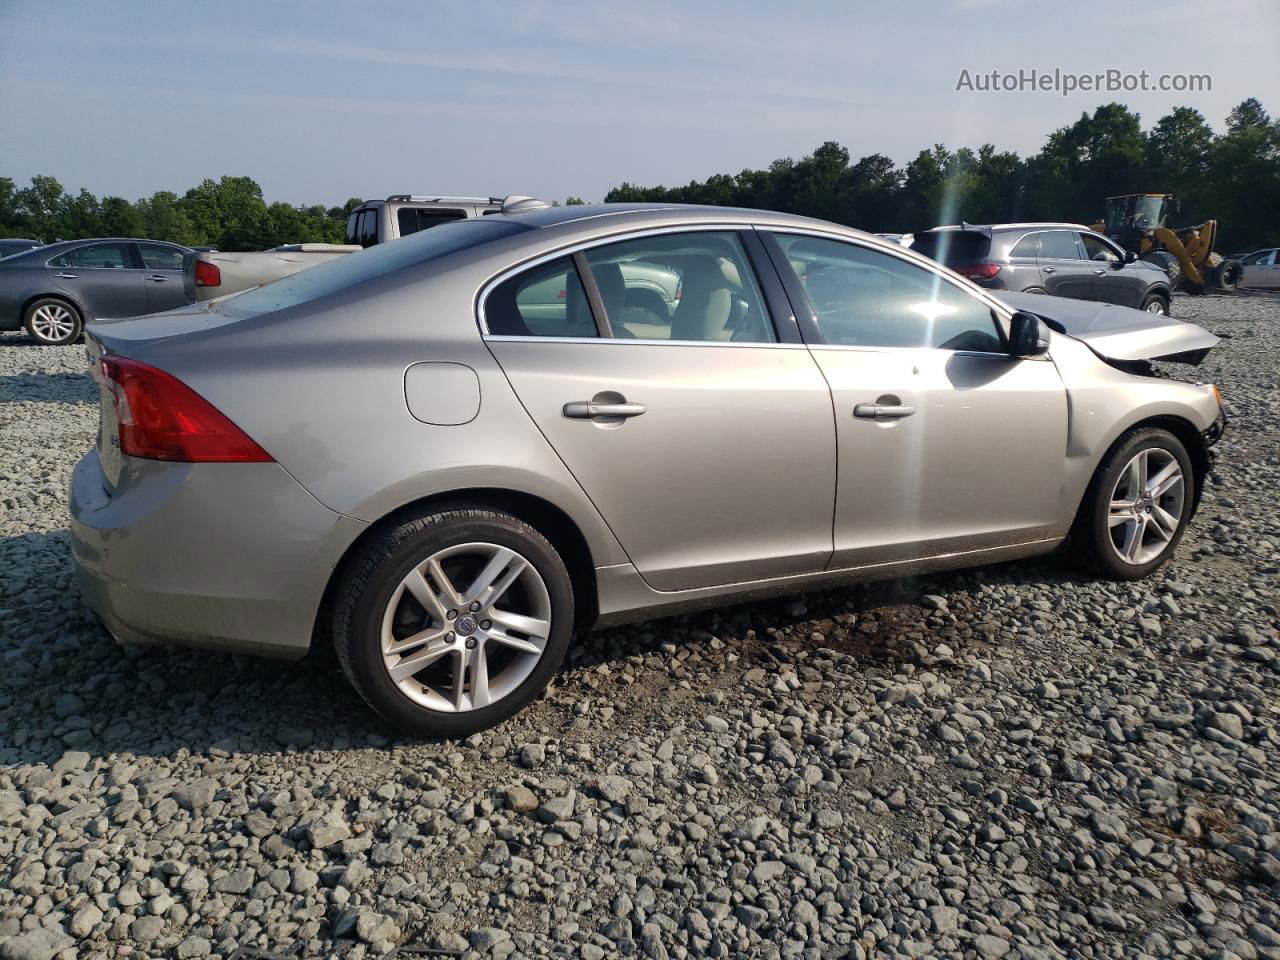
{"points": [[1028, 336], [1130, 256]]}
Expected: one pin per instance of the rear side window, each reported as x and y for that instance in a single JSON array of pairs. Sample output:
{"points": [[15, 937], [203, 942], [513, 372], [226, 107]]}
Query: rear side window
{"points": [[99, 256], [1028, 246], [695, 287], [1059, 245], [353, 228], [340, 273], [545, 301], [158, 257], [414, 219], [952, 246], [369, 228], [865, 298]]}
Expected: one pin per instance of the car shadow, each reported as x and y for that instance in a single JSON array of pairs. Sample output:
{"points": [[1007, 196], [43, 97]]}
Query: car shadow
{"points": [[74, 388], [69, 686]]}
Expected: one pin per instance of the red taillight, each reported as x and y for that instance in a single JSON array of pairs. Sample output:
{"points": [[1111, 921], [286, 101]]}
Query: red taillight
{"points": [[207, 274], [978, 271], [161, 418]]}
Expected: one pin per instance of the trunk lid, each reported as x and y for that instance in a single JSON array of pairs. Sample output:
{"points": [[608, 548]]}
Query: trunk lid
{"points": [[1118, 333]]}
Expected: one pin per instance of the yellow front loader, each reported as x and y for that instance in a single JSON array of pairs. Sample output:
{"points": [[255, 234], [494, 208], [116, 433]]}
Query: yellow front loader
{"points": [[1137, 221]]}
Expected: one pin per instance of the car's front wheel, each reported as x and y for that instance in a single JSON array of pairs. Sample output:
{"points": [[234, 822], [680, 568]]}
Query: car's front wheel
{"points": [[52, 322], [453, 621], [1157, 304], [1137, 505]]}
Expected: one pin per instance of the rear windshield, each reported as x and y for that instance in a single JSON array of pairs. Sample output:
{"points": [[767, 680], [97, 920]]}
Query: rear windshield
{"points": [[347, 271], [949, 246]]}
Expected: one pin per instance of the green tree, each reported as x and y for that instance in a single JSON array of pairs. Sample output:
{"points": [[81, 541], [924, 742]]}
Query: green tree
{"points": [[41, 205]]}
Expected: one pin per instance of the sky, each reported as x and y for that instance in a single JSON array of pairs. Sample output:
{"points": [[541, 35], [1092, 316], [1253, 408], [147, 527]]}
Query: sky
{"points": [[320, 101]]}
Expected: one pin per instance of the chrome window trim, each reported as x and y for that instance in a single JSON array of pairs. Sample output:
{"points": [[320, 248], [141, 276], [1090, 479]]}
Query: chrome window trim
{"points": [[633, 341], [581, 247]]}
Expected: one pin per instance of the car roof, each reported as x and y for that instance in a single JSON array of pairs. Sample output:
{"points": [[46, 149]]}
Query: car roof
{"points": [[993, 227], [668, 214]]}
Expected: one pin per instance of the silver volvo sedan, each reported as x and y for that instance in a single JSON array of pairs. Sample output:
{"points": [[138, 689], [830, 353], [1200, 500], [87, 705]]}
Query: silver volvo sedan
{"points": [[446, 454]]}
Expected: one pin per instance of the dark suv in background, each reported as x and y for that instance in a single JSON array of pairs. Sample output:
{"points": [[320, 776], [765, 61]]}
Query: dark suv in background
{"points": [[1060, 259]]}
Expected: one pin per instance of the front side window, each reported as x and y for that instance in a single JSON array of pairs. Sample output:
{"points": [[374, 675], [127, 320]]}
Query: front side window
{"points": [[353, 228], [1095, 249], [369, 228], [1059, 245], [158, 257], [695, 286], [865, 298], [111, 256], [545, 301]]}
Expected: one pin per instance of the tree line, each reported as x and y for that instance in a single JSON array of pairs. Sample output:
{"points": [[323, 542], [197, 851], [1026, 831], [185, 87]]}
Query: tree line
{"points": [[1232, 176]]}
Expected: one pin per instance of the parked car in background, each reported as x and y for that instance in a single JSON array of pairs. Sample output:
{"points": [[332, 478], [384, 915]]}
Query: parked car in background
{"points": [[10, 246], [215, 274], [403, 214], [1261, 269], [1060, 259], [212, 275], [403, 449], [53, 290]]}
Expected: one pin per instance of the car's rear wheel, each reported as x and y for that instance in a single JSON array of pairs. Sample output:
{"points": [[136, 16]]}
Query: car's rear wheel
{"points": [[1137, 506], [1157, 304], [453, 621], [53, 322]]}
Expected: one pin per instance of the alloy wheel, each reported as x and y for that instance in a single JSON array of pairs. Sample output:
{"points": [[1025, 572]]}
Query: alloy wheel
{"points": [[1156, 306], [465, 627], [1146, 506], [52, 322]]}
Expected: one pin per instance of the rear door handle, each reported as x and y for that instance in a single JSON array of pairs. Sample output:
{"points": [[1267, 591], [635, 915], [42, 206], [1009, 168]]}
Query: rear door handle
{"points": [[154, 278], [67, 276], [1048, 269], [589, 410], [883, 411], [1099, 272]]}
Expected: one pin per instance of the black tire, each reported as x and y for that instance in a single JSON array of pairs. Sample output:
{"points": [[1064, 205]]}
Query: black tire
{"points": [[1037, 290], [645, 314], [1167, 262], [371, 578], [1151, 299], [42, 318], [1226, 275], [1091, 536]]}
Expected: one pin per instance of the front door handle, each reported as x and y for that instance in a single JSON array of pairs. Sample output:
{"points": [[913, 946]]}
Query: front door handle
{"points": [[1099, 272], [883, 411], [589, 409], [157, 279], [1048, 269], [67, 276]]}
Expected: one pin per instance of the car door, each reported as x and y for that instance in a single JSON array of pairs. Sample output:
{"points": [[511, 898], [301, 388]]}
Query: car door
{"points": [[1064, 272], [102, 277], [706, 443], [1261, 269], [945, 442], [1114, 281], [162, 270]]}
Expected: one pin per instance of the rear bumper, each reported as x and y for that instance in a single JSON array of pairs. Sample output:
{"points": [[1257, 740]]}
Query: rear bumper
{"points": [[224, 556]]}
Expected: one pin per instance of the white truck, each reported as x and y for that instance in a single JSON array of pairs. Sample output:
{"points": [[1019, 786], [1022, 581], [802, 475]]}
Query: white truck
{"points": [[213, 274]]}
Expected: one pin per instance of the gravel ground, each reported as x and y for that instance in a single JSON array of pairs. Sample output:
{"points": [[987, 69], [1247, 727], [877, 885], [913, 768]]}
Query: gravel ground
{"points": [[1017, 761]]}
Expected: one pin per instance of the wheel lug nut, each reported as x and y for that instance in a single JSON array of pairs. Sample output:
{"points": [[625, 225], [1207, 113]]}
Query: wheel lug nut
{"points": [[485, 624], [452, 614], [471, 643], [475, 606]]}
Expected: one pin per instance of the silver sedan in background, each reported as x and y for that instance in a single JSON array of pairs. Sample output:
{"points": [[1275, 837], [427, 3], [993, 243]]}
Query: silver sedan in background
{"points": [[448, 453]]}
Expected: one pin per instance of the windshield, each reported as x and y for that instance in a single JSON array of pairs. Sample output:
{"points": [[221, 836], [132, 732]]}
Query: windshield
{"points": [[347, 271], [1142, 212]]}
